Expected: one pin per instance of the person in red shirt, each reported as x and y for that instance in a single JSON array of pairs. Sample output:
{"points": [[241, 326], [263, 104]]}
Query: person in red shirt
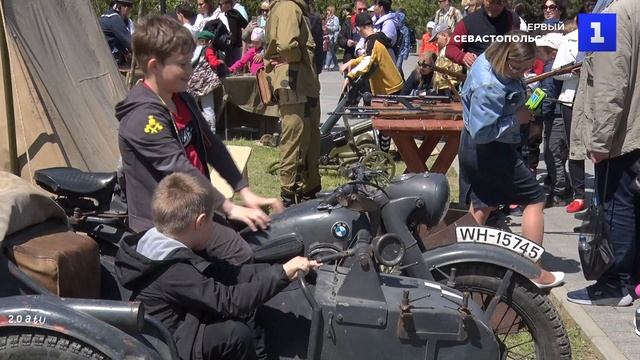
{"points": [[427, 45], [492, 19]]}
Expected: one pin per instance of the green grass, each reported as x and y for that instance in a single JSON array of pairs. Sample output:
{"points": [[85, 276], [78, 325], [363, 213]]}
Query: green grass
{"points": [[265, 184]]}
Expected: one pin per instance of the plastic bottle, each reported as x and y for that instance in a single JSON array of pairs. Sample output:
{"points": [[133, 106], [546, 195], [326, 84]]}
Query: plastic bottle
{"points": [[584, 242]]}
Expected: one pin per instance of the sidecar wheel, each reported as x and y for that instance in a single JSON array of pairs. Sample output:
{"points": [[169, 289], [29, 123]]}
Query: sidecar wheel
{"points": [[31, 343], [525, 321]]}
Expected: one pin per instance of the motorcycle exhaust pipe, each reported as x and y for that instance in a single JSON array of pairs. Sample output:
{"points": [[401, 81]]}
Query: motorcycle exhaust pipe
{"points": [[126, 316]]}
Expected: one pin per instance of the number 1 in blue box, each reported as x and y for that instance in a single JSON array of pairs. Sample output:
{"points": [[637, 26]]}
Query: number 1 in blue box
{"points": [[597, 32]]}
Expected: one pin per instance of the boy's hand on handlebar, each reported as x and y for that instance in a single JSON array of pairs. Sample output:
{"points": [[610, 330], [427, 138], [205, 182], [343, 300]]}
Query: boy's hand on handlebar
{"points": [[301, 263]]}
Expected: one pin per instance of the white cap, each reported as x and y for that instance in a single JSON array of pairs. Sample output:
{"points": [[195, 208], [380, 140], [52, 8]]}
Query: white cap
{"points": [[552, 40], [431, 24], [371, 8], [257, 34]]}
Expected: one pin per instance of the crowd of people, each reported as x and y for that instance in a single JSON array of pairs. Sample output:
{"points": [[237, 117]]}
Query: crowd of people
{"points": [[167, 135]]}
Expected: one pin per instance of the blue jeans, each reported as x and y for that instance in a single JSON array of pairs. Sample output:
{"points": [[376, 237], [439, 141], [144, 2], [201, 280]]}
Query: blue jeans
{"points": [[622, 208], [331, 60]]}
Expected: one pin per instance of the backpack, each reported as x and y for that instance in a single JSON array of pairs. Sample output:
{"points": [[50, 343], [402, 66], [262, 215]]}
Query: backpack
{"points": [[221, 36], [397, 46]]}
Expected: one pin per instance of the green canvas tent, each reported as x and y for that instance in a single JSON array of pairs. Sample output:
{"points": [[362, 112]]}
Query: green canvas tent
{"points": [[63, 86]]}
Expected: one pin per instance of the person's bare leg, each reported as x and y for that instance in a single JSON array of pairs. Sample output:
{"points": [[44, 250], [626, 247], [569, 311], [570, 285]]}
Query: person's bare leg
{"points": [[480, 215], [533, 222], [533, 229]]}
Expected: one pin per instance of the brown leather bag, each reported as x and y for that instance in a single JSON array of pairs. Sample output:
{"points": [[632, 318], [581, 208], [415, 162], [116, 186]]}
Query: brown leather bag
{"points": [[264, 88], [66, 263]]}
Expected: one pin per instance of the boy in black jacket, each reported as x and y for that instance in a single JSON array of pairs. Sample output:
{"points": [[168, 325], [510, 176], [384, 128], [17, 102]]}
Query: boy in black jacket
{"points": [[206, 303], [162, 131]]}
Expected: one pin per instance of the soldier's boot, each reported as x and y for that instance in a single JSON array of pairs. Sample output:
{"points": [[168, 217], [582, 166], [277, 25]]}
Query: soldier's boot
{"points": [[311, 194], [288, 197]]}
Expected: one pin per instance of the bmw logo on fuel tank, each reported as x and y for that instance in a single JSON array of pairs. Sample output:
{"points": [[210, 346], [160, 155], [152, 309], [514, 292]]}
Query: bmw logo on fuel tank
{"points": [[340, 230]]}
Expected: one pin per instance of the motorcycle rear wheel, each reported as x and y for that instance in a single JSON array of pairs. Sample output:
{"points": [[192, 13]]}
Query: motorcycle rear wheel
{"points": [[525, 321]]}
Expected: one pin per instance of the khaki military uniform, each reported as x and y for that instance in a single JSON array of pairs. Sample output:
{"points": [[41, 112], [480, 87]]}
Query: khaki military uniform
{"points": [[289, 66]]}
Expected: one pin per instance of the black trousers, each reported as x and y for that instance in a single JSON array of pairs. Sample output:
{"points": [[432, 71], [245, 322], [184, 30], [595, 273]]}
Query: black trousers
{"points": [[232, 340], [227, 244], [576, 167], [556, 153]]}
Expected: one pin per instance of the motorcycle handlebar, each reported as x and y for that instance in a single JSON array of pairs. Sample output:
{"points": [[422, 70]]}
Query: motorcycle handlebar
{"points": [[331, 257]]}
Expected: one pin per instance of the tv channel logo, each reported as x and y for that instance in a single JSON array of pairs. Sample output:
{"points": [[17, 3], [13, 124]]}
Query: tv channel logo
{"points": [[597, 32]]}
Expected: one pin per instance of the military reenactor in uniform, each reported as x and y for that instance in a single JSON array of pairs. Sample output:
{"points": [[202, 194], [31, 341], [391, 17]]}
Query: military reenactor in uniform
{"points": [[289, 66]]}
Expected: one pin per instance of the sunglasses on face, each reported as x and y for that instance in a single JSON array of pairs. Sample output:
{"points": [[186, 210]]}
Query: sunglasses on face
{"points": [[549, 7], [424, 64], [361, 9]]}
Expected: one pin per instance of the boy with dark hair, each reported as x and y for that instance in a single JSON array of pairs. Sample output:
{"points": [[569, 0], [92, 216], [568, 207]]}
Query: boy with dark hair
{"points": [[386, 78], [162, 131], [207, 304]]}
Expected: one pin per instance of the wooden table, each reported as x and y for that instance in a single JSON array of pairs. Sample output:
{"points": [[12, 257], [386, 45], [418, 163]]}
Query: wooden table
{"points": [[438, 122]]}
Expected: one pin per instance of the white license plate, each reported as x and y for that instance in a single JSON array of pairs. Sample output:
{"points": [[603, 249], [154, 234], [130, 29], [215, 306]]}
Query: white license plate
{"points": [[503, 239]]}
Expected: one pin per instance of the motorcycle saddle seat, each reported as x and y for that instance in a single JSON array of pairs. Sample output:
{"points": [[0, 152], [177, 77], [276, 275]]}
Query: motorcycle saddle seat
{"points": [[76, 183]]}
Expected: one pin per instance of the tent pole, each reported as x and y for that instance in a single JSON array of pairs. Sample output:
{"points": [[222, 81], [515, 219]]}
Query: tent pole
{"points": [[131, 75], [8, 95]]}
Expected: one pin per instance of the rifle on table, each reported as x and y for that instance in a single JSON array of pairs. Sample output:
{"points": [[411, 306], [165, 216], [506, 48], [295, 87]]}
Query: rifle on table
{"points": [[454, 74], [559, 71], [405, 100], [438, 98], [368, 111]]}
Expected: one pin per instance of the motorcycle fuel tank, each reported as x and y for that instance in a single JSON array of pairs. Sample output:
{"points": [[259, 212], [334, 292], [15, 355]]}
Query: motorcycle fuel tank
{"points": [[303, 229]]}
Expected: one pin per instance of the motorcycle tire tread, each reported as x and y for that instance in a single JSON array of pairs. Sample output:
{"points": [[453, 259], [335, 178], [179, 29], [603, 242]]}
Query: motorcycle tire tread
{"points": [[23, 343]]}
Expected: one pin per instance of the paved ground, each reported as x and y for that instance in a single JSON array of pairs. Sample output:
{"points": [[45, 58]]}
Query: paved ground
{"points": [[610, 329]]}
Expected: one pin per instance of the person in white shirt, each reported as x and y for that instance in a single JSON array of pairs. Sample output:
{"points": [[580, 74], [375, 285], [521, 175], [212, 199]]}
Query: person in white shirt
{"points": [[447, 14], [205, 13], [184, 14]]}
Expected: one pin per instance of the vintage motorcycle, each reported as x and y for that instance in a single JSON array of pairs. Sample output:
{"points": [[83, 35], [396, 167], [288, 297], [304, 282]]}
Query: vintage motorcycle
{"points": [[494, 266], [333, 313]]}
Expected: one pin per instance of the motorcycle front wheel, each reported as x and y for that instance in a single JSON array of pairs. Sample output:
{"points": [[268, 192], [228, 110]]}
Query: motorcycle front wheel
{"points": [[524, 320]]}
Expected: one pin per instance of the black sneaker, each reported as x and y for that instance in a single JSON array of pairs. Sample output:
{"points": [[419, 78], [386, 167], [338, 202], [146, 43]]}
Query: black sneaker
{"points": [[602, 294], [555, 200]]}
